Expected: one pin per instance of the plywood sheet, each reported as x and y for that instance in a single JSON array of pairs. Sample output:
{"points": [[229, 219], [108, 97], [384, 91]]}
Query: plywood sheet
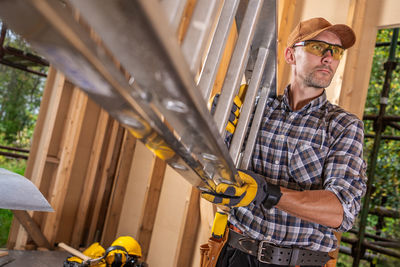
{"points": [[174, 196], [135, 191]]}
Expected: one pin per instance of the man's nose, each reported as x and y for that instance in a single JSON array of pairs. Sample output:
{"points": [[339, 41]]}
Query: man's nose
{"points": [[327, 56]]}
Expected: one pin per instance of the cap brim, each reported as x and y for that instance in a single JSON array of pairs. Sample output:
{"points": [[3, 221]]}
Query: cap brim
{"points": [[344, 32]]}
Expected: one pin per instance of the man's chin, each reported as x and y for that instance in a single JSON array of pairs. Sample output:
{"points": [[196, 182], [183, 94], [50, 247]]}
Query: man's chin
{"points": [[319, 85]]}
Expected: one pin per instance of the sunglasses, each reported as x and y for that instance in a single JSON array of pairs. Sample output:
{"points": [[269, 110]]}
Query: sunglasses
{"points": [[319, 48]]}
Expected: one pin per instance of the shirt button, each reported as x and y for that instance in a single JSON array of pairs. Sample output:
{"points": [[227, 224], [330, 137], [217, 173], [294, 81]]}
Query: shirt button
{"points": [[268, 238], [276, 162]]}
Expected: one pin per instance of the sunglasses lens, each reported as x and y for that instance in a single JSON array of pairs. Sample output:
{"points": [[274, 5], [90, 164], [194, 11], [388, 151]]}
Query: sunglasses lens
{"points": [[337, 52], [319, 49], [316, 48]]}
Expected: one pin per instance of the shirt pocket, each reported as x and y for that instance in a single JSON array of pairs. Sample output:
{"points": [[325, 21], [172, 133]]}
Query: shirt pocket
{"points": [[306, 165]]}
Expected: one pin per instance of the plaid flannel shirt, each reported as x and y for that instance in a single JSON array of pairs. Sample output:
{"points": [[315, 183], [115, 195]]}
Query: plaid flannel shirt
{"points": [[317, 147]]}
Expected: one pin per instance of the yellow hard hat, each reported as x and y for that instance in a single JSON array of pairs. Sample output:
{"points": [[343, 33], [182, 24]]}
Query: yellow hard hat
{"points": [[130, 244]]}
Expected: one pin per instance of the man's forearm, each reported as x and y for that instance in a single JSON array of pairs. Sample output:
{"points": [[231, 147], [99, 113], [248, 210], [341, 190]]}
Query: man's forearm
{"points": [[319, 206]]}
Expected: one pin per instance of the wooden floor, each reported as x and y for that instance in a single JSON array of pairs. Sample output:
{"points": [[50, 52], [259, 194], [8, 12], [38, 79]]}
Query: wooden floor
{"points": [[25, 258]]}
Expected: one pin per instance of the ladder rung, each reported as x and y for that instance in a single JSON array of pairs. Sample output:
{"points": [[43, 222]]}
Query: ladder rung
{"points": [[216, 51], [237, 64], [174, 11], [193, 45]]}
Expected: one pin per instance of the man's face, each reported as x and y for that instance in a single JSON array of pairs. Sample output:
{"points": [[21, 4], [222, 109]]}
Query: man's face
{"points": [[316, 71]]}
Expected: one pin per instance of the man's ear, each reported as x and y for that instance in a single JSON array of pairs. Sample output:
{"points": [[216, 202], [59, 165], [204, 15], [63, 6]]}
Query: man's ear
{"points": [[289, 55]]}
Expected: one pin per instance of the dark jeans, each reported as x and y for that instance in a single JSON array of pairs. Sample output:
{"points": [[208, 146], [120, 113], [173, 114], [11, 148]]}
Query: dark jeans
{"points": [[231, 257]]}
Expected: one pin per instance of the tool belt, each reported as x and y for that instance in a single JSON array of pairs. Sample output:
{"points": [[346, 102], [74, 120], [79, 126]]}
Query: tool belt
{"points": [[210, 251], [268, 253]]}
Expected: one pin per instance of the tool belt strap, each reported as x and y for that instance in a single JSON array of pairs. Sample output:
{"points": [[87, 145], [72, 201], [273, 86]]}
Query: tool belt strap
{"points": [[268, 253]]}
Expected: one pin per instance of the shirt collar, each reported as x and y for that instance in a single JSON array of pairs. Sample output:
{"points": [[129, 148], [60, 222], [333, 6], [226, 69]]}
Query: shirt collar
{"points": [[314, 104]]}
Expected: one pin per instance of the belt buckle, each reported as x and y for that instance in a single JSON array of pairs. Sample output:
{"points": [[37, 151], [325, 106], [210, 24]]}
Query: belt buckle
{"points": [[261, 252]]}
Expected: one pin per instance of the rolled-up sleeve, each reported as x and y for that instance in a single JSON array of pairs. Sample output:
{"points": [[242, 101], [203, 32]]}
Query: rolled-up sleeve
{"points": [[345, 171]]}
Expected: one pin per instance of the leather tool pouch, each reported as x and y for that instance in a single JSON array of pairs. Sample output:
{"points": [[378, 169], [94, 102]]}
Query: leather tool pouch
{"points": [[210, 251]]}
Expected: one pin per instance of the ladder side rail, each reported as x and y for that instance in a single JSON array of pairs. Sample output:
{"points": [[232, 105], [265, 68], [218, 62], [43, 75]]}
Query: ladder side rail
{"points": [[174, 11], [212, 62], [198, 33], [265, 38], [268, 90], [255, 126], [237, 64], [248, 105]]}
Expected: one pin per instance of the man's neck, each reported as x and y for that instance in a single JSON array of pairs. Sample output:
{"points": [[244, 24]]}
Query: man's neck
{"points": [[301, 96]]}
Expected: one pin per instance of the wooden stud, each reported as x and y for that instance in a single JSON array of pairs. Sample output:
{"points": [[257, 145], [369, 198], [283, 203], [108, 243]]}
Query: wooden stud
{"points": [[87, 192], [101, 181], [355, 82], [359, 58], [32, 228], [70, 140], [110, 179], [119, 188], [287, 14], [40, 145], [150, 206], [188, 234]]}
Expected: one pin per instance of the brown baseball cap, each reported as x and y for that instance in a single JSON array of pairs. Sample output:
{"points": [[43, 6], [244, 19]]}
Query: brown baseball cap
{"points": [[308, 29]]}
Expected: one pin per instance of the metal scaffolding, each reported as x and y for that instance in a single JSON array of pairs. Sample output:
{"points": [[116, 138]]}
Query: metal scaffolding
{"points": [[360, 244], [19, 59]]}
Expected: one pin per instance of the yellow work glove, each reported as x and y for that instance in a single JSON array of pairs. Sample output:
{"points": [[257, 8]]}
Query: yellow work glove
{"points": [[234, 115], [254, 190]]}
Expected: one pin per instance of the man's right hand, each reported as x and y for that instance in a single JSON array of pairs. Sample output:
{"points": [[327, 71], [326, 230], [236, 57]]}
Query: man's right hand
{"points": [[253, 190]]}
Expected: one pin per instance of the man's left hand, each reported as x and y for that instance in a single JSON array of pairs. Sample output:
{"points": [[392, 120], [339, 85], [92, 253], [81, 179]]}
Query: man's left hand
{"points": [[253, 190]]}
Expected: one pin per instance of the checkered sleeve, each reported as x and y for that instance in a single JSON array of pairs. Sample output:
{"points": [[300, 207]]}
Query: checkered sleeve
{"points": [[345, 169]]}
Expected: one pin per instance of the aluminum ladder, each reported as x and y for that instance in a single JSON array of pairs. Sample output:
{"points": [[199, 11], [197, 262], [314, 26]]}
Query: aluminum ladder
{"points": [[152, 89]]}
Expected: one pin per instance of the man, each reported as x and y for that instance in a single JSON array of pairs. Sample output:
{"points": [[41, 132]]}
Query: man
{"points": [[308, 172]]}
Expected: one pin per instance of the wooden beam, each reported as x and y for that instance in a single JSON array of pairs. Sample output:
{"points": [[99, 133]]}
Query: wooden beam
{"points": [[188, 234], [56, 85], [101, 181], [363, 17], [109, 182], [358, 64], [119, 189], [61, 180], [32, 228], [288, 9], [87, 192], [150, 206]]}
